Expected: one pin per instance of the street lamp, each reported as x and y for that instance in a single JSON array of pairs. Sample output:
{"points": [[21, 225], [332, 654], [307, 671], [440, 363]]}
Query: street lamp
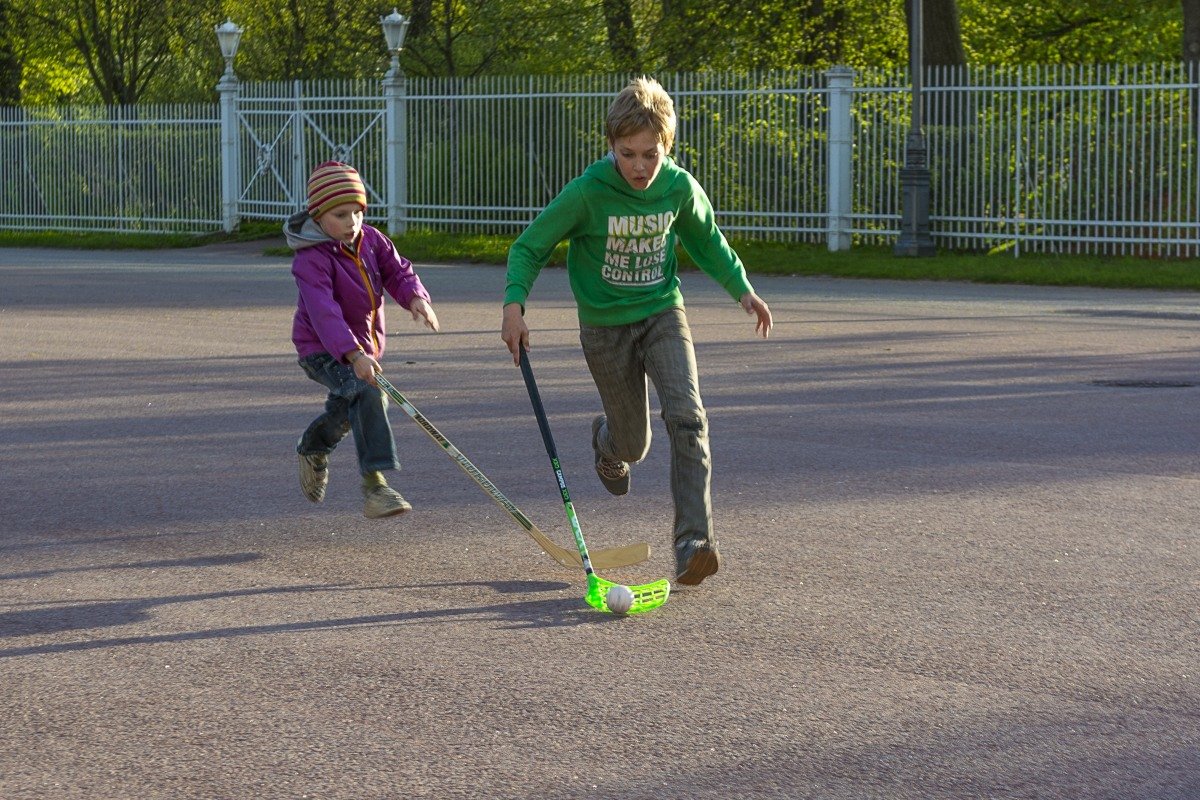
{"points": [[915, 179], [228, 36], [395, 92], [395, 27]]}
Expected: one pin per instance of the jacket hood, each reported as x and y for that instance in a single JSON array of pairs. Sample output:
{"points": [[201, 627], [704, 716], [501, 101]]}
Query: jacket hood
{"points": [[302, 231], [605, 171]]}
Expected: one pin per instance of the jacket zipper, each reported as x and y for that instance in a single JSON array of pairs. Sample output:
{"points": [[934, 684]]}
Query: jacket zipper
{"points": [[362, 271]]}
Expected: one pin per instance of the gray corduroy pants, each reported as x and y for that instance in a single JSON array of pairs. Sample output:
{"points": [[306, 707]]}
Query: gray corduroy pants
{"points": [[621, 358]]}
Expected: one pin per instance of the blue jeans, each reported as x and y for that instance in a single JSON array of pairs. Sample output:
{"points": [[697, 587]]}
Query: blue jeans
{"points": [[353, 405], [621, 358]]}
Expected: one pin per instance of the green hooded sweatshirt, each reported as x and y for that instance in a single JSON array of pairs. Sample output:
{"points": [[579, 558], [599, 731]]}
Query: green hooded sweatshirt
{"points": [[621, 255]]}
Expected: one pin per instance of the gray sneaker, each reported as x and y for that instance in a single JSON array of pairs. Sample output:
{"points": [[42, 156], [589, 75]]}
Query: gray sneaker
{"points": [[613, 474], [384, 501], [314, 475], [695, 560]]}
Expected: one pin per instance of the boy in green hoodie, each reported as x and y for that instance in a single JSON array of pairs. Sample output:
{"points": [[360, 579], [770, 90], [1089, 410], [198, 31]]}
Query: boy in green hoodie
{"points": [[622, 218]]}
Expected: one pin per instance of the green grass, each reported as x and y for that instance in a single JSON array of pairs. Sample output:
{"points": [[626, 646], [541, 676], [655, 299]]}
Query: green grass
{"points": [[1037, 269], [770, 258], [87, 240], [761, 258]]}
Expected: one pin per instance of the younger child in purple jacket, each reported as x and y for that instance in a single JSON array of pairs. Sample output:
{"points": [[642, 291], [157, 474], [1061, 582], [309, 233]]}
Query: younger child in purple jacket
{"points": [[342, 268]]}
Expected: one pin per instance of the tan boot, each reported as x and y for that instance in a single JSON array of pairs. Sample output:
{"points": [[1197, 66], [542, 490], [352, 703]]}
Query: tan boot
{"points": [[384, 501], [695, 560], [613, 474], [314, 476]]}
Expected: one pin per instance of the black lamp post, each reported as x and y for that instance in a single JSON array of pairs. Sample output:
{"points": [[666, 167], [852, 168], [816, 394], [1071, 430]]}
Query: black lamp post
{"points": [[915, 179]]}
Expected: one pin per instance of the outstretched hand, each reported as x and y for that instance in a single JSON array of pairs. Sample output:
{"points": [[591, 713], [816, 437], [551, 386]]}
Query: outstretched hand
{"points": [[421, 309], [753, 304]]}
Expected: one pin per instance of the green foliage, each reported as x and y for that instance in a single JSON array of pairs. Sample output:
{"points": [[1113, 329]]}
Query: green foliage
{"points": [[308, 39], [10, 65], [1104, 31], [486, 37], [165, 50], [774, 34], [55, 81], [126, 48]]}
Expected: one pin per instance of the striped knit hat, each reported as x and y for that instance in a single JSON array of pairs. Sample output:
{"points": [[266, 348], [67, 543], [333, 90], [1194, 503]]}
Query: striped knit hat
{"points": [[332, 184]]}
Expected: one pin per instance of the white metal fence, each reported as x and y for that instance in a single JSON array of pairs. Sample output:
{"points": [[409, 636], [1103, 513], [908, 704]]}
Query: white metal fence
{"points": [[288, 127], [119, 168], [490, 153], [1064, 159], [1067, 159]]}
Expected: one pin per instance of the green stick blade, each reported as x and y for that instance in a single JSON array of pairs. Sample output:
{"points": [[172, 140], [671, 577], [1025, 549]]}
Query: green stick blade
{"points": [[646, 596]]}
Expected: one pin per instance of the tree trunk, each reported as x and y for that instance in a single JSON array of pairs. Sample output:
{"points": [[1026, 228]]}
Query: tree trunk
{"points": [[942, 34], [622, 42], [942, 46], [422, 15], [669, 38], [10, 67], [1191, 31], [1191, 57]]}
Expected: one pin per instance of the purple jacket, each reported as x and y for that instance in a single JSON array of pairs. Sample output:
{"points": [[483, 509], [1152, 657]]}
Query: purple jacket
{"points": [[340, 303]]}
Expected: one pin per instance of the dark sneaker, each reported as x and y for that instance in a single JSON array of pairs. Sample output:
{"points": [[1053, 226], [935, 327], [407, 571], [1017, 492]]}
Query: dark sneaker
{"points": [[384, 501], [695, 560], [613, 474], [314, 476]]}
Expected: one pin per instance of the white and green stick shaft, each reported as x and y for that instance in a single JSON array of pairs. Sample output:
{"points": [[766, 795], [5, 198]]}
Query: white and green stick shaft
{"points": [[646, 596], [610, 558]]}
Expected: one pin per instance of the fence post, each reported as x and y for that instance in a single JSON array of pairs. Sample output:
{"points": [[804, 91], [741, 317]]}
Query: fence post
{"points": [[395, 90], [230, 151], [300, 160], [839, 206]]}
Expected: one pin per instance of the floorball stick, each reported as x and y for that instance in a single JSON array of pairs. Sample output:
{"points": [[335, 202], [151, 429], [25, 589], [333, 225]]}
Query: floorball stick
{"points": [[611, 558], [647, 596]]}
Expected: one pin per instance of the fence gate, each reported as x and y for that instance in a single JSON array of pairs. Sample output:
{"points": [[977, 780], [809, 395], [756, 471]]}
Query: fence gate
{"points": [[285, 129]]}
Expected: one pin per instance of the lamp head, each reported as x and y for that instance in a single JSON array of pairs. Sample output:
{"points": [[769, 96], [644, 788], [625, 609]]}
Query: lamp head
{"points": [[395, 27], [228, 36]]}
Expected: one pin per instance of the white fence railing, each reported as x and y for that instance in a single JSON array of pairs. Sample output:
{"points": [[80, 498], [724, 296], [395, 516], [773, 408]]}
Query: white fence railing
{"points": [[1067, 159], [119, 168], [1064, 159]]}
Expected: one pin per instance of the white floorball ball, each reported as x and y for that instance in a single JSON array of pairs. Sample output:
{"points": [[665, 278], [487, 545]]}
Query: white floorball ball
{"points": [[619, 599]]}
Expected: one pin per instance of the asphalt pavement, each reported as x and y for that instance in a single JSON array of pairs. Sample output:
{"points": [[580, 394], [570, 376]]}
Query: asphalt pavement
{"points": [[959, 525]]}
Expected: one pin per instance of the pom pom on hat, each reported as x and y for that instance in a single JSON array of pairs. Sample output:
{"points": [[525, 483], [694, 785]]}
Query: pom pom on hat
{"points": [[332, 184]]}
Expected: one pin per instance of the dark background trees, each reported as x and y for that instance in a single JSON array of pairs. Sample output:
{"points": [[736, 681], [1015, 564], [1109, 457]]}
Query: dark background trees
{"points": [[125, 51]]}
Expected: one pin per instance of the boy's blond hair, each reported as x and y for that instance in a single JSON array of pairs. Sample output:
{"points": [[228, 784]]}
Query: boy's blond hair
{"points": [[642, 105]]}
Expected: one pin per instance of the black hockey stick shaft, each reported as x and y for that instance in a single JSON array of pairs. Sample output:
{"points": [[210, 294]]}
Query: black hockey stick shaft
{"points": [[535, 398]]}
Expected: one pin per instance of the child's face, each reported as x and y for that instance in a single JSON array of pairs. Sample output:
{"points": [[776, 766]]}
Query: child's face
{"points": [[343, 222], [639, 157]]}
